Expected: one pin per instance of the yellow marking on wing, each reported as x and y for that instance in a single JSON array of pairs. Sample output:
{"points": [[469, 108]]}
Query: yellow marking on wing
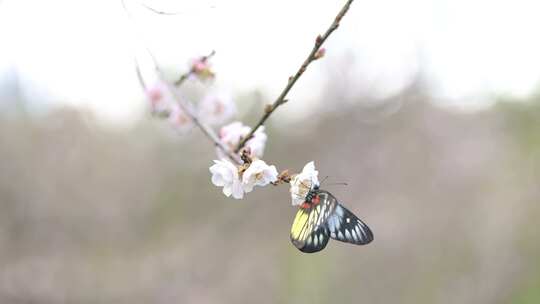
{"points": [[299, 223], [305, 223], [310, 225]]}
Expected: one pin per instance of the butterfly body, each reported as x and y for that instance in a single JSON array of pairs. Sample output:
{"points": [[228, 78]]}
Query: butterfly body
{"points": [[322, 217]]}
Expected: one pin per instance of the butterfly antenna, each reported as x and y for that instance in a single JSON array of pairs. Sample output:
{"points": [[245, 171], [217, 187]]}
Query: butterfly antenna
{"points": [[324, 179], [332, 184], [341, 184]]}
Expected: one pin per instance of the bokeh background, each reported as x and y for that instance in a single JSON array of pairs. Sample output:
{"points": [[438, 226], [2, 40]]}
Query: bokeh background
{"points": [[434, 123]]}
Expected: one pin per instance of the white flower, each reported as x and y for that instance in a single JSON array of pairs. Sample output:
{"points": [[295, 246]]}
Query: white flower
{"points": [[179, 119], [215, 109], [163, 102], [160, 97], [303, 182], [225, 174], [257, 143], [231, 134], [258, 174]]}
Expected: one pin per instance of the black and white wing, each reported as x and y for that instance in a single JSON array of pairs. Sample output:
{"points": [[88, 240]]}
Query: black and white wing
{"points": [[344, 226], [308, 232]]}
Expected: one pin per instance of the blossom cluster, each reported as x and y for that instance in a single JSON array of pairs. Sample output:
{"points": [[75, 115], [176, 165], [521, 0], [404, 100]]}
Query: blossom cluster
{"points": [[236, 181], [214, 108], [231, 135]]}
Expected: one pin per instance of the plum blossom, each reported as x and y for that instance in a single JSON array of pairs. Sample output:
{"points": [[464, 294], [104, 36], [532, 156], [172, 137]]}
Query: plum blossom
{"points": [[216, 108], [237, 181], [200, 67], [257, 143], [258, 174], [160, 97], [225, 174], [179, 120], [303, 182], [232, 133]]}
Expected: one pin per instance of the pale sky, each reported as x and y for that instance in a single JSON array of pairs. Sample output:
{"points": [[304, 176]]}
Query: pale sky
{"points": [[81, 52]]}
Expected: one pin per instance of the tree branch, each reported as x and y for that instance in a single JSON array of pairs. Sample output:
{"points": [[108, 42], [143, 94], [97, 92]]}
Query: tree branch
{"points": [[313, 55]]}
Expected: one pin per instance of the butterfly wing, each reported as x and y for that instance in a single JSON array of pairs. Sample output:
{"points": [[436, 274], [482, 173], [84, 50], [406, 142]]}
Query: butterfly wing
{"points": [[309, 232], [343, 225]]}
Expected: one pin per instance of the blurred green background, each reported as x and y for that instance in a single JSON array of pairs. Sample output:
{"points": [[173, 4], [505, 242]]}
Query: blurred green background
{"points": [[94, 214]]}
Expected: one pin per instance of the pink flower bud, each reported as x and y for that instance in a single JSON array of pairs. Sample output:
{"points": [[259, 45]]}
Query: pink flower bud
{"points": [[319, 54], [201, 68]]}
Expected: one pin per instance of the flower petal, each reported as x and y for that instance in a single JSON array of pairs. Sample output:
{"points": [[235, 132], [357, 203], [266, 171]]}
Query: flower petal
{"points": [[225, 174], [258, 174], [227, 190], [237, 190], [303, 182], [231, 134], [248, 187], [218, 180]]}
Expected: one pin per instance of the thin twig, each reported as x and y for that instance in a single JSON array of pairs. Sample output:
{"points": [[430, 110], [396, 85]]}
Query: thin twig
{"points": [[156, 11], [292, 80], [139, 76]]}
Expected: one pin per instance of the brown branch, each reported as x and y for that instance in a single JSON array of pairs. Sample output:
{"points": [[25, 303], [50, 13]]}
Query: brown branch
{"points": [[313, 55]]}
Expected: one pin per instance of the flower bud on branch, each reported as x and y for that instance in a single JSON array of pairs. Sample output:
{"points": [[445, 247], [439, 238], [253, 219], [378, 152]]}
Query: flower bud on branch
{"points": [[319, 54]]}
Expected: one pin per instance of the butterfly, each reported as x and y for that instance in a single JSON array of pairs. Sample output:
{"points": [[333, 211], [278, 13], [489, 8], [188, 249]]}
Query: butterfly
{"points": [[321, 217]]}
